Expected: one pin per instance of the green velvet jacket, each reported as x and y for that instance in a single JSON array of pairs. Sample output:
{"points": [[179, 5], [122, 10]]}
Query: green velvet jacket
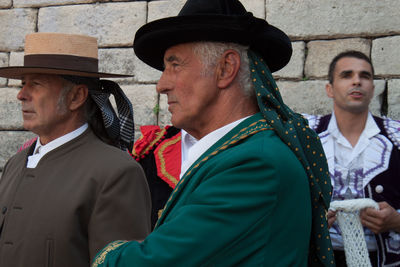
{"points": [[245, 202]]}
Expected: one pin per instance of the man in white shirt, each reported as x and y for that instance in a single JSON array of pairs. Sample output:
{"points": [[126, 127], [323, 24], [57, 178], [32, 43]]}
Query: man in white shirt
{"points": [[363, 157], [73, 190]]}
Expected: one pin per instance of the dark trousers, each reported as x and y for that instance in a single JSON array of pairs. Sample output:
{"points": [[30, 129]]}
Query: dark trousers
{"points": [[340, 258]]}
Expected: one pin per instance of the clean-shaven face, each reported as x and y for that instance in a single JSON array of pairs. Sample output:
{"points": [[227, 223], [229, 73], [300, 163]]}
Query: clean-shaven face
{"points": [[191, 94], [353, 85], [42, 111]]}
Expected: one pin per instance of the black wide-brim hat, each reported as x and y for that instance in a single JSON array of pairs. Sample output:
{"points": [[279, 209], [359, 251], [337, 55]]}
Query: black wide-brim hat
{"points": [[215, 21], [59, 54]]}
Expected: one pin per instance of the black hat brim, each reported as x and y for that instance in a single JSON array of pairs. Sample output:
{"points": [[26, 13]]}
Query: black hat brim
{"points": [[153, 39]]}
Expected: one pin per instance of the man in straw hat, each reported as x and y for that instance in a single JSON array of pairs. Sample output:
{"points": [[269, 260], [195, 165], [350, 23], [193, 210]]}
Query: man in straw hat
{"points": [[70, 193], [254, 189]]}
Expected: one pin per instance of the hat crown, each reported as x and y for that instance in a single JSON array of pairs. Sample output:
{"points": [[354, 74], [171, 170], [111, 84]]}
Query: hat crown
{"points": [[59, 54], [224, 21], [212, 7], [61, 44]]}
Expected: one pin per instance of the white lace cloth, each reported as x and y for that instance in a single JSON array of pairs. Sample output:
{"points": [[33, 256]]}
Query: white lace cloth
{"points": [[348, 218]]}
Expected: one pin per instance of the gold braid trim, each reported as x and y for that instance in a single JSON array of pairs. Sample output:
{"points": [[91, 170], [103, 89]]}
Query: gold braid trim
{"points": [[103, 254], [159, 135], [162, 160]]}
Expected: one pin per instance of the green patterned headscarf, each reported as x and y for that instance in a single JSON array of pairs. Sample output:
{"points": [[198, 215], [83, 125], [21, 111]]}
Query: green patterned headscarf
{"points": [[293, 129]]}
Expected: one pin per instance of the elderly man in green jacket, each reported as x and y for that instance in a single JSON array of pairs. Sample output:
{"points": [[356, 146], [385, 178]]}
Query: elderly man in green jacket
{"points": [[254, 187]]}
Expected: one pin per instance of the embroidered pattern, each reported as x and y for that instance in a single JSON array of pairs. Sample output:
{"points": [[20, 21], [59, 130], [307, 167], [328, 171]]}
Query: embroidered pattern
{"points": [[392, 127], [143, 146], [103, 254], [313, 120]]}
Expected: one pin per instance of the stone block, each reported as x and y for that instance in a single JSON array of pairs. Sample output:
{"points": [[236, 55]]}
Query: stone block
{"points": [[394, 99], [257, 7], [306, 96], [43, 3], [168, 8], [294, 69], [384, 56], [376, 102], [164, 8], [10, 110], [16, 59], [10, 142], [145, 73], [164, 116], [118, 61], [114, 24], [15, 24], [310, 96], [144, 99], [321, 53], [5, 3], [3, 63], [312, 19]]}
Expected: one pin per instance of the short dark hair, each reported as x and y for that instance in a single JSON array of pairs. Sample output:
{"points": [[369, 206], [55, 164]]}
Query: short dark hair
{"points": [[350, 53]]}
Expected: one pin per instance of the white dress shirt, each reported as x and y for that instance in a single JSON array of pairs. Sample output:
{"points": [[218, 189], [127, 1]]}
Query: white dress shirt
{"points": [[192, 148], [349, 180]]}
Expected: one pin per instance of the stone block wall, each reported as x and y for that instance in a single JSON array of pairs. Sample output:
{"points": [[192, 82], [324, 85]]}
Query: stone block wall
{"points": [[319, 30]]}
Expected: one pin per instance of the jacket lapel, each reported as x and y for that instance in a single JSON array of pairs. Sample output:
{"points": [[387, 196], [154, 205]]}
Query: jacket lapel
{"points": [[245, 129]]}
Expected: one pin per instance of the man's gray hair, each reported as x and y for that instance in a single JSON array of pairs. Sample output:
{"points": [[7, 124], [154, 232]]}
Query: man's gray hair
{"points": [[92, 113], [209, 53], [62, 100]]}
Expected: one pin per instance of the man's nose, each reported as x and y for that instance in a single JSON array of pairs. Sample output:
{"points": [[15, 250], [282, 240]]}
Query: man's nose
{"points": [[164, 83], [356, 79], [22, 94]]}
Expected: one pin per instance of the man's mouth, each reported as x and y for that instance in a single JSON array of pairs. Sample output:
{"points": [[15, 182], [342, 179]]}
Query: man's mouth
{"points": [[170, 102], [356, 93], [27, 111]]}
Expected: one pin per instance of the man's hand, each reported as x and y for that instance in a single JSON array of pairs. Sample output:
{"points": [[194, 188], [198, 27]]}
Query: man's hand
{"points": [[383, 220], [331, 217]]}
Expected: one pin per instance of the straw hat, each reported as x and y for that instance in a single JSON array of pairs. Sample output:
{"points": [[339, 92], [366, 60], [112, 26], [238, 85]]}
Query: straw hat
{"points": [[59, 53], [215, 21]]}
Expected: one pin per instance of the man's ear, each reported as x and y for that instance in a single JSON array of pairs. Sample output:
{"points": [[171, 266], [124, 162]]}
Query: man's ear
{"points": [[329, 90], [227, 68], [77, 96]]}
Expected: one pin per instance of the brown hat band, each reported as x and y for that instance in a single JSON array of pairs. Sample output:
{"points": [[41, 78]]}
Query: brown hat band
{"points": [[67, 62]]}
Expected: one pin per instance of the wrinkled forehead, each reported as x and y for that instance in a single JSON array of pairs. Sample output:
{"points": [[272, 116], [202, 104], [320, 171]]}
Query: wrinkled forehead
{"points": [[180, 50], [49, 80]]}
